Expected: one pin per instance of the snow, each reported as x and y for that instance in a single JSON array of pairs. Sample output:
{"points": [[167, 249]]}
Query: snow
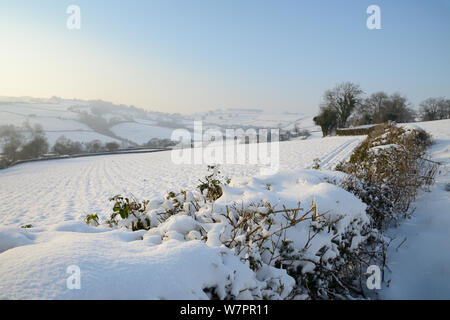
{"points": [[114, 268], [80, 136], [140, 132], [46, 110], [120, 264], [290, 188], [378, 149], [55, 196], [61, 117], [55, 119], [170, 262], [60, 190], [247, 117], [12, 237], [366, 126], [420, 266]]}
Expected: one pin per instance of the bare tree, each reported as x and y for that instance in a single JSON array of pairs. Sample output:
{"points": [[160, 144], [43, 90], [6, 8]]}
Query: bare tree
{"points": [[397, 108], [112, 146], [11, 139], [65, 146], [18, 143], [375, 104], [94, 146], [34, 148], [379, 108], [435, 109], [343, 99]]}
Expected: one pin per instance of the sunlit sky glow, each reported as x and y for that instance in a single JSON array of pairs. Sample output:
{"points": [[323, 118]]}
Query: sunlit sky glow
{"points": [[195, 55]]}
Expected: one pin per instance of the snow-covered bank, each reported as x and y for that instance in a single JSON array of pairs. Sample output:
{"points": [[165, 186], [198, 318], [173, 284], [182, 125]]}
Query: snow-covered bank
{"points": [[167, 262], [421, 265], [54, 197], [113, 265]]}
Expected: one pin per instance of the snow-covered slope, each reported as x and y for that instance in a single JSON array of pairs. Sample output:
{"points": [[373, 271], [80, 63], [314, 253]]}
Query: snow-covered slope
{"points": [[141, 133], [113, 265], [120, 264], [55, 117], [251, 117], [85, 121], [58, 190], [55, 196], [258, 118], [419, 257]]}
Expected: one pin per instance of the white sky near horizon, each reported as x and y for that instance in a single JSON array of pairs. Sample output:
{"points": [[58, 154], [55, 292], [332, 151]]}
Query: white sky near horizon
{"points": [[197, 55]]}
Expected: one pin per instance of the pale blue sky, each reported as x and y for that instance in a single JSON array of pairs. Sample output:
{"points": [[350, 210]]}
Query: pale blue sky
{"points": [[192, 55]]}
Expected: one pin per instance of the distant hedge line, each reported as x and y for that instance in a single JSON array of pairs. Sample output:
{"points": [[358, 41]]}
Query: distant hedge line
{"points": [[354, 131]]}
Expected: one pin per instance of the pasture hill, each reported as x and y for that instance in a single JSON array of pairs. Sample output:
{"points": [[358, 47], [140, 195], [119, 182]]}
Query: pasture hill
{"points": [[85, 121]]}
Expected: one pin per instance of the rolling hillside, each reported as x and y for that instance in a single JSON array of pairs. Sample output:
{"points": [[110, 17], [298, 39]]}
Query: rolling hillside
{"points": [[85, 121]]}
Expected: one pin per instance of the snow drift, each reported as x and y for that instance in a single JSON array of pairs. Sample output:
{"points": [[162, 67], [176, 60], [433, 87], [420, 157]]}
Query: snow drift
{"points": [[173, 260]]}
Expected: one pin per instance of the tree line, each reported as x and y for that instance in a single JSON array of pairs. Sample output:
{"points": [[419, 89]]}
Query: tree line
{"points": [[29, 142], [346, 105], [17, 143]]}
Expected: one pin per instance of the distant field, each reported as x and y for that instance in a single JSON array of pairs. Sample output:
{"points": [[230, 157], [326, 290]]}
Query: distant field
{"points": [[62, 117]]}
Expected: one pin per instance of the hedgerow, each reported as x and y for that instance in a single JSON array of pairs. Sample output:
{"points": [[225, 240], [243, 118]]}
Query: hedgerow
{"points": [[329, 264], [387, 170]]}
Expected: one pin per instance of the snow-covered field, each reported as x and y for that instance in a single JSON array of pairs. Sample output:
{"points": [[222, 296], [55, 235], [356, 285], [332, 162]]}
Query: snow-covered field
{"points": [[59, 190], [63, 117], [55, 118], [141, 133], [55, 196], [257, 118]]}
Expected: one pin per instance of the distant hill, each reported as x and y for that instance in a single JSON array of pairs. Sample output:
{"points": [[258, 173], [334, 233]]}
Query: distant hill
{"points": [[87, 120]]}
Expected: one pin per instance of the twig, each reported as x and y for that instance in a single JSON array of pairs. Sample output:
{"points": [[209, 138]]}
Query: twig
{"points": [[401, 243]]}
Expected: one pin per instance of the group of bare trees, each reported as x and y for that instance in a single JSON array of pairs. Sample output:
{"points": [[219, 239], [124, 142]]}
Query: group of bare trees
{"points": [[17, 143], [380, 107], [159, 143], [345, 105], [29, 142], [435, 109], [65, 146]]}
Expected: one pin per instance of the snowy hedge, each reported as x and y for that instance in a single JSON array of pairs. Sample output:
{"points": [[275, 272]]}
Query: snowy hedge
{"points": [[387, 170], [295, 234]]}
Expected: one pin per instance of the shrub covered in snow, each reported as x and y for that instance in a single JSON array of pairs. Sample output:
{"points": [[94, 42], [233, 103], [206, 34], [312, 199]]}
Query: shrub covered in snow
{"points": [[92, 219], [387, 170], [300, 238], [130, 211]]}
